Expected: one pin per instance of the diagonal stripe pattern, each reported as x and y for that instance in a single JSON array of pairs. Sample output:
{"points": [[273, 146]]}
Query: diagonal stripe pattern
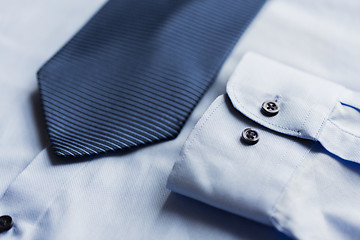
{"points": [[132, 75]]}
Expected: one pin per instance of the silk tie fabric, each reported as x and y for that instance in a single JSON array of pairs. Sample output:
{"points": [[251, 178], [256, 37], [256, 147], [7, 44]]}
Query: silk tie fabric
{"points": [[132, 75]]}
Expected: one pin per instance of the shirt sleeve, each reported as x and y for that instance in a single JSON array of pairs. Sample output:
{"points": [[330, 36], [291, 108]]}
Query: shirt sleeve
{"points": [[301, 176]]}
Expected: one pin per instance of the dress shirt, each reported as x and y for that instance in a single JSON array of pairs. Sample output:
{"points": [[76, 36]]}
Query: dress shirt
{"points": [[297, 177], [124, 196]]}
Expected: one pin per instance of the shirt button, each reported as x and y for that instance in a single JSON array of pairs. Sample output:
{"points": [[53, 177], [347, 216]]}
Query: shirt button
{"points": [[250, 136], [270, 108], [6, 223]]}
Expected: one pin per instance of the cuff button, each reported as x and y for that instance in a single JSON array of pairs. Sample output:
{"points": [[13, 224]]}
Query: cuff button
{"points": [[6, 223], [250, 136], [270, 108]]}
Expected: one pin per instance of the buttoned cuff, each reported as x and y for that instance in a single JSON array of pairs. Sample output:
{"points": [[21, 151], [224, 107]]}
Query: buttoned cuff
{"points": [[219, 168]]}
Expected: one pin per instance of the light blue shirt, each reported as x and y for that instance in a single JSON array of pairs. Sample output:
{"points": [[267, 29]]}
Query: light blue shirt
{"points": [[300, 176], [125, 196]]}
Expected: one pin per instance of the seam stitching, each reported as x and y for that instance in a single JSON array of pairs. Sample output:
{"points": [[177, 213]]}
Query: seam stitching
{"points": [[342, 130], [255, 116], [274, 209]]}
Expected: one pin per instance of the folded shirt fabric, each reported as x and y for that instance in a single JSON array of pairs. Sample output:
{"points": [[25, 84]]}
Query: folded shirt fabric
{"points": [[302, 172]]}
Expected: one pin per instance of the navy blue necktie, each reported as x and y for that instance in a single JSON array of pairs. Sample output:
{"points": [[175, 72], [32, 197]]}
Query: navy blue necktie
{"points": [[135, 71]]}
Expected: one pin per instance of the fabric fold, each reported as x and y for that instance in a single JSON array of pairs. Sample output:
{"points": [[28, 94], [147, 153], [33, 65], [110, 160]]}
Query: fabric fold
{"points": [[317, 124]]}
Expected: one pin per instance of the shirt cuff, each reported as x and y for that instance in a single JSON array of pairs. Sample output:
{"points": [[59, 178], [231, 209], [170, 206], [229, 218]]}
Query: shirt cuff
{"points": [[217, 168]]}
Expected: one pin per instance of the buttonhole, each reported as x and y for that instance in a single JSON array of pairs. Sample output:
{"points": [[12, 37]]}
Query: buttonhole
{"points": [[277, 98]]}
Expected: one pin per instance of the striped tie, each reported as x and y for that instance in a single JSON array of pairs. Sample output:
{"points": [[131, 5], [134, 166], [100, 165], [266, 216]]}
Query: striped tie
{"points": [[135, 71]]}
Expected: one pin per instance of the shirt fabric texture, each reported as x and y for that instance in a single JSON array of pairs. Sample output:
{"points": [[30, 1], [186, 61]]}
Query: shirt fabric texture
{"points": [[292, 178], [124, 196]]}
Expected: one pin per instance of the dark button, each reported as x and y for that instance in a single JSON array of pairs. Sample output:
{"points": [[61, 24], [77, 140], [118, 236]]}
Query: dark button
{"points": [[270, 108], [6, 223], [250, 136]]}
